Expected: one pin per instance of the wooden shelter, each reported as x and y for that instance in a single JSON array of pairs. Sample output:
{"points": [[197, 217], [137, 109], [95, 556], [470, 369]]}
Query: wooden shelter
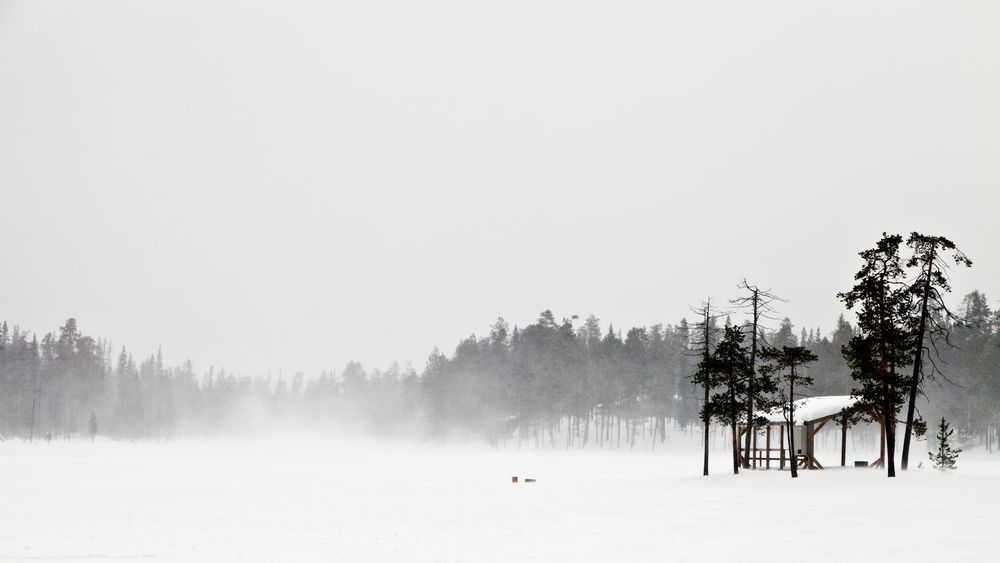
{"points": [[811, 415]]}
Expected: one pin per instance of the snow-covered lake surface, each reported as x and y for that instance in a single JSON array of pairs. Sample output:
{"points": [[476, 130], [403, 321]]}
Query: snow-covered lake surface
{"points": [[319, 500]]}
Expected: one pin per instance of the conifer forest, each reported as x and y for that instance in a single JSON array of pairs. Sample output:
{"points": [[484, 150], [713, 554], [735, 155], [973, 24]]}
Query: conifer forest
{"points": [[589, 382]]}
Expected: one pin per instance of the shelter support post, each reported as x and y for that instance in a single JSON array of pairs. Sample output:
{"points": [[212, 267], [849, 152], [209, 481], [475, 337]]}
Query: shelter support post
{"points": [[810, 433], [768, 445], [843, 441], [781, 440]]}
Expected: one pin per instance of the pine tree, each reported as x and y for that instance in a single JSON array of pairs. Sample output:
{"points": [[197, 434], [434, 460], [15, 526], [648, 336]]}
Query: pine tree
{"points": [[928, 290], [758, 302], [945, 457], [729, 370], [776, 362], [702, 345], [884, 341]]}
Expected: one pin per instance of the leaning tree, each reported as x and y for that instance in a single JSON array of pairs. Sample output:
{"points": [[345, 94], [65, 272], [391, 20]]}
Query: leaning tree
{"points": [[930, 257]]}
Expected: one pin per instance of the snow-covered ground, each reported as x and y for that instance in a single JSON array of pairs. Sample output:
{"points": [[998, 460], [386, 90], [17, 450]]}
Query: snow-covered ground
{"points": [[323, 500]]}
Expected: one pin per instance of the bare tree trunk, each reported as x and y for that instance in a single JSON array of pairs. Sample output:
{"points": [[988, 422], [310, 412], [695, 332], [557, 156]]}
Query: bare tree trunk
{"points": [[753, 373], [656, 431], [569, 434], [34, 401], [704, 417], [618, 424], [791, 424], [736, 448], [885, 371], [598, 430], [705, 414], [918, 357], [890, 441], [732, 424]]}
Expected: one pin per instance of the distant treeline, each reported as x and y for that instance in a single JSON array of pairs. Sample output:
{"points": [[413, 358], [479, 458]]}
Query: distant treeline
{"points": [[513, 383]]}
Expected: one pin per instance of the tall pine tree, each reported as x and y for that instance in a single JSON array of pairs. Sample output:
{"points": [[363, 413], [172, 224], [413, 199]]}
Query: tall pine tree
{"points": [[881, 348]]}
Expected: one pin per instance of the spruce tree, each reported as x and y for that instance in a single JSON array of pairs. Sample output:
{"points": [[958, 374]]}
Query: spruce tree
{"points": [[945, 457]]}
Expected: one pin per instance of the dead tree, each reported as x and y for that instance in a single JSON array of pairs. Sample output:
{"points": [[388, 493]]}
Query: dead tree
{"points": [[701, 345], [758, 302]]}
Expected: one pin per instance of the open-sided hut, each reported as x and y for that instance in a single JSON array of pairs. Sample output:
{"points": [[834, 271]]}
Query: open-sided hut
{"points": [[811, 414]]}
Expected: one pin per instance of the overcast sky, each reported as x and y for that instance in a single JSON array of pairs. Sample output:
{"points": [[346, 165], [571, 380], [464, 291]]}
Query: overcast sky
{"points": [[292, 185]]}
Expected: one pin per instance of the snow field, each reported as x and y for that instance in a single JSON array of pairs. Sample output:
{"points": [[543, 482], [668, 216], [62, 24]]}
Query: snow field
{"points": [[323, 500]]}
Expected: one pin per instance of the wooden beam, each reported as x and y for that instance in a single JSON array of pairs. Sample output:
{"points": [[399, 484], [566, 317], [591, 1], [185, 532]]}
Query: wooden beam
{"points": [[820, 425], [812, 429], [768, 445]]}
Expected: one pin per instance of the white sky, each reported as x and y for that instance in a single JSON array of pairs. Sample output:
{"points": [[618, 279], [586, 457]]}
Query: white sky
{"points": [[291, 185]]}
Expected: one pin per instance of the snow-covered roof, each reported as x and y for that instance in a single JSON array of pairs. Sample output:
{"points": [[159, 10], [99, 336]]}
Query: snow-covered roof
{"points": [[812, 408]]}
